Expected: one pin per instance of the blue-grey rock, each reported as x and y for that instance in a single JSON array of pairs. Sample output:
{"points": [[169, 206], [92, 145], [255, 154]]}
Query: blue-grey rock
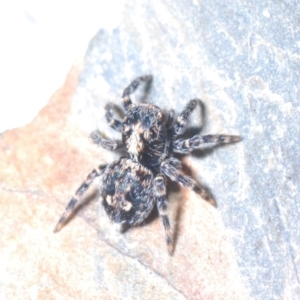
{"points": [[243, 60]]}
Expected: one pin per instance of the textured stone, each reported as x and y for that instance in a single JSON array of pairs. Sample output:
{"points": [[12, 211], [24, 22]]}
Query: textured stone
{"points": [[242, 60], [41, 165]]}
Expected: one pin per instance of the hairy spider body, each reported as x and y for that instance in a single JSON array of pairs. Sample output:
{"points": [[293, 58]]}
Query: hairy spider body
{"points": [[144, 134], [126, 197], [131, 186]]}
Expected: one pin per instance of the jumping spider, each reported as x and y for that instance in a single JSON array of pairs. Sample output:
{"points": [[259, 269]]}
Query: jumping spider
{"points": [[132, 185]]}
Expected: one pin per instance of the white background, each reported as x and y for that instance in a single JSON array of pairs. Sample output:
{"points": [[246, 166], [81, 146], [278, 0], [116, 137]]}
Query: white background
{"points": [[40, 40]]}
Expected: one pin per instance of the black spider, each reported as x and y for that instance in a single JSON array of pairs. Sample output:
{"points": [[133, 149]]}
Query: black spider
{"points": [[131, 186]]}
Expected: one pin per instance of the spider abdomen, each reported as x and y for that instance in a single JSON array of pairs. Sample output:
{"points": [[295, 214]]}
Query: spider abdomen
{"points": [[127, 197]]}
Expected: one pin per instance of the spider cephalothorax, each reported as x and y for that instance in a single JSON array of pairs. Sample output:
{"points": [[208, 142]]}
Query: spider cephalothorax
{"points": [[131, 186], [144, 134]]}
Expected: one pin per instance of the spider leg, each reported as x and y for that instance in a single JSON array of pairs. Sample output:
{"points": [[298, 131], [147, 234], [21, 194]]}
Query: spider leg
{"points": [[170, 120], [180, 124], [173, 173], [106, 144], [198, 141], [162, 206], [131, 89], [109, 115], [80, 191]]}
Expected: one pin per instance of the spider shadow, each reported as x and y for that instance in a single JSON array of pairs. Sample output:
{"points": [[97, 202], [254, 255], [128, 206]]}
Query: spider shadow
{"points": [[189, 133], [179, 208]]}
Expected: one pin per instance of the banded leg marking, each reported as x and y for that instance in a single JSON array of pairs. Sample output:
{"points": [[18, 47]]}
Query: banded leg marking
{"points": [[198, 141], [162, 206], [131, 89], [180, 124], [80, 191], [106, 144], [185, 181], [109, 115]]}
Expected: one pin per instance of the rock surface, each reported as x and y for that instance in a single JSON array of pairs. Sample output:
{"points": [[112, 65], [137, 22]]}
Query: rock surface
{"points": [[242, 60]]}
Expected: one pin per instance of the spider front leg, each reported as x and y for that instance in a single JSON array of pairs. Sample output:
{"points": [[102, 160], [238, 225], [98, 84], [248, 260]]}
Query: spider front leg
{"points": [[106, 144], [162, 206], [197, 141], [79, 193], [131, 89], [180, 124], [109, 115], [171, 169]]}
